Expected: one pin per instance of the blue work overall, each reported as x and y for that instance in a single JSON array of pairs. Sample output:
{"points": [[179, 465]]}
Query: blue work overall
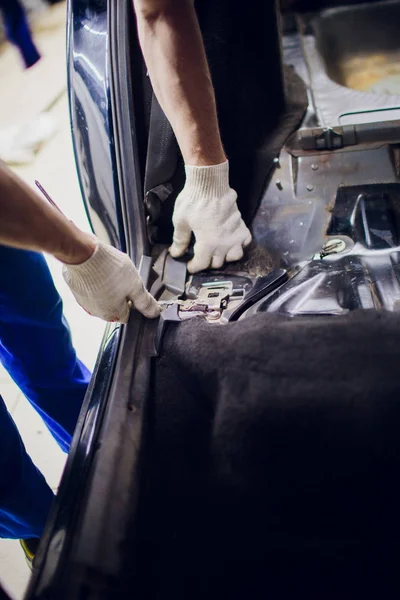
{"points": [[36, 350], [18, 32]]}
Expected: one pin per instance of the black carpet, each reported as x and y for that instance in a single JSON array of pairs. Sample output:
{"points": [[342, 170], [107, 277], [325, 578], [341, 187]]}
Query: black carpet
{"points": [[273, 460]]}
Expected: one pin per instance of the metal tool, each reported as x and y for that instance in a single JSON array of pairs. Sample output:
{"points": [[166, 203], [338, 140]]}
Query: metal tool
{"points": [[47, 196]]}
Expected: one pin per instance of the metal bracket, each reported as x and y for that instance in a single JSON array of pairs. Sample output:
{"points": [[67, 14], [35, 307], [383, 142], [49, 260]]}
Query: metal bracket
{"points": [[330, 138], [212, 302]]}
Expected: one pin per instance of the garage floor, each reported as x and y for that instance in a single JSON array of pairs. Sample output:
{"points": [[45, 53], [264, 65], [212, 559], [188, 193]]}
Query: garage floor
{"points": [[24, 95]]}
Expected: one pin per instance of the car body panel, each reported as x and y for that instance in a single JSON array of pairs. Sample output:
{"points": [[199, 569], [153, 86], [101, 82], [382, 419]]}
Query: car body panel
{"points": [[91, 116], [82, 553]]}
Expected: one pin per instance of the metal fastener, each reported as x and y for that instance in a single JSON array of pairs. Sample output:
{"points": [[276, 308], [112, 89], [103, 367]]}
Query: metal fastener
{"points": [[314, 167], [310, 187], [279, 184], [333, 246]]}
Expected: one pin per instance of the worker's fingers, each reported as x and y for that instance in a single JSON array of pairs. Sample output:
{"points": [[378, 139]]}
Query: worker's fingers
{"points": [[201, 259], [235, 253], [116, 314], [181, 239], [247, 237], [145, 303], [217, 261], [124, 312]]}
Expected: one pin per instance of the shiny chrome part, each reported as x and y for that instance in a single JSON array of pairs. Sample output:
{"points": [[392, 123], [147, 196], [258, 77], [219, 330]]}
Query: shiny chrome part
{"points": [[334, 246], [212, 299]]}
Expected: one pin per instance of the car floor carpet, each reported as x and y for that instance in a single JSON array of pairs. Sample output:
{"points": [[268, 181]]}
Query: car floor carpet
{"points": [[272, 460]]}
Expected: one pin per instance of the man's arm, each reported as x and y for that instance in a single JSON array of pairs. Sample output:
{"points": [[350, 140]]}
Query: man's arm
{"points": [[174, 53], [173, 49], [103, 280], [28, 222]]}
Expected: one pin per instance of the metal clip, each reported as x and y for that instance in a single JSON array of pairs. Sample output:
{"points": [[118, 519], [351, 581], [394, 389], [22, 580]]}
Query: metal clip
{"points": [[212, 299], [335, 246]]}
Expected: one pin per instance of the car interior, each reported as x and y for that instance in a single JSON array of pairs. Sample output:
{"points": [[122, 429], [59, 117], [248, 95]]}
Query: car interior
{"points": [[308, 98]]}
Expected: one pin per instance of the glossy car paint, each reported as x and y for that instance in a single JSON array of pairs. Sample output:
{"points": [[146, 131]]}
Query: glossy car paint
{"points": [[91, 117]]}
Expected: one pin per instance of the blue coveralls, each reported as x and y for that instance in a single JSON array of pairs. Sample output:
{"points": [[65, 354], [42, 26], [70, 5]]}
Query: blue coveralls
{"points": [[36, 349], [18, 32]]}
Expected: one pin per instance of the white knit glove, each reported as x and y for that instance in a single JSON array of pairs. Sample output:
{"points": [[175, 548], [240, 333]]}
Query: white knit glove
{"points": [[207, 207], [105, 283]]}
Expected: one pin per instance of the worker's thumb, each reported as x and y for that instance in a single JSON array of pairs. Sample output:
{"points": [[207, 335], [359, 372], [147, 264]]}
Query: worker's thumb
{"points": [[145, 303]]}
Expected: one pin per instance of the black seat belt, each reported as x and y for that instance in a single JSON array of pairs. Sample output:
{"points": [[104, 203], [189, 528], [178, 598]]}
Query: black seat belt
{"points": [[160, 182]]}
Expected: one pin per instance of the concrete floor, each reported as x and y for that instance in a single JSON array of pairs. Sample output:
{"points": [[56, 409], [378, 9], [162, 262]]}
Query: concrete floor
{"points": [[24, 95]]}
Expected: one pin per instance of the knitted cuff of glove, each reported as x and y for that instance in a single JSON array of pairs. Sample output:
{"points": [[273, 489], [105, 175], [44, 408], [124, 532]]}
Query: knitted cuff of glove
{"points": [[89, 274], [209, 182]]}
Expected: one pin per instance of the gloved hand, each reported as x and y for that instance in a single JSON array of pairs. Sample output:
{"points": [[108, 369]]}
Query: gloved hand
{"points": [[207, 207], [105, 283]]}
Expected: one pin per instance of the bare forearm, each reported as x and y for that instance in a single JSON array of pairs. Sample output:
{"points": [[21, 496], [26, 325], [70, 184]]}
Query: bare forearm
{"points": [[29, 222], [174, 53]]}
